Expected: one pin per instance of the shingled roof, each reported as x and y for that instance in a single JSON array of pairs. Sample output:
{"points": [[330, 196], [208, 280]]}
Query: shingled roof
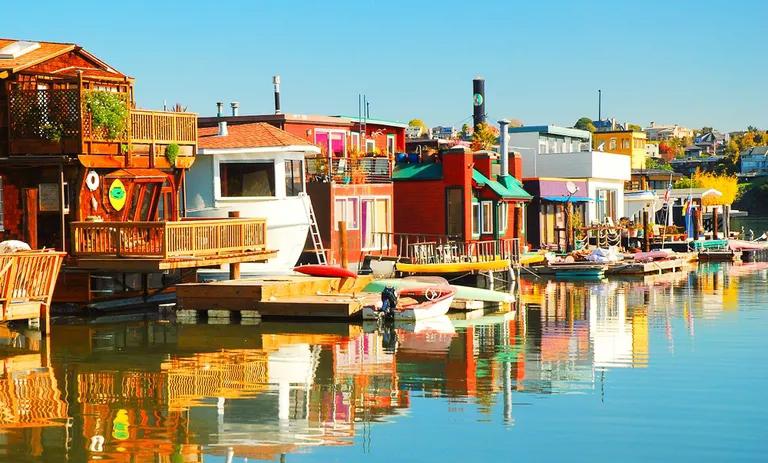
{"points": [[254, 135], [49, 50]]}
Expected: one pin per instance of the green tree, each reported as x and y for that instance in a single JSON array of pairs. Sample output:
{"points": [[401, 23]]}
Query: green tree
{"points": [[465, 131], [634, 127], [418, 123], [655, 163], [584, 123]]}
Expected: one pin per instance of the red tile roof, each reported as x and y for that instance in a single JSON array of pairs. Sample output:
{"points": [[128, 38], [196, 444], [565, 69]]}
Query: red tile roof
{"points": [[255, 135]]}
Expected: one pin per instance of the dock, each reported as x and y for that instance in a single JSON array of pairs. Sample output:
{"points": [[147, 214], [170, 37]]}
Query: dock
{"points": [[276, 296], [644, 268]]}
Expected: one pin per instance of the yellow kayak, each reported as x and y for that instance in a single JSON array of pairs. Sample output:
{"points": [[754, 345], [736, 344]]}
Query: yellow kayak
{"points": [[456, 267], [528, 259]]}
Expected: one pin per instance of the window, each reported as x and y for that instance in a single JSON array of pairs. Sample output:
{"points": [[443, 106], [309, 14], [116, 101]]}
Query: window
{"points": [[612, 144], [503, 217], [476, 219], [454, 211], [543, 149], [346, 209], [370, 146], [553, 148], [625, 144], [606, 206], [333, 142], [374, 220], [356, 140], [391, 145], [487, 217], [294, 181], [244, 179]]}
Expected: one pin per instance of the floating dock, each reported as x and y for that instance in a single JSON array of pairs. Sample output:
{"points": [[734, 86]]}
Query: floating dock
{"points": [[644, 268], [278, 296]]}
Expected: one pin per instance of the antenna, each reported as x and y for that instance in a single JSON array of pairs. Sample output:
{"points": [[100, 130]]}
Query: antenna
{"points": [[571, 187]]}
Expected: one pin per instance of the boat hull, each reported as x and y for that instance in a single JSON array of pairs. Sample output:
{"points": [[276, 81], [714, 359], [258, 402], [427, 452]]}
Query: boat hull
{"points": [[455, 267]]}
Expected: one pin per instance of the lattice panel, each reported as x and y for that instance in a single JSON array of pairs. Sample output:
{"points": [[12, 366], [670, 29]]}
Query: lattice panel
{"points": [[44, 114], [99, 133]]}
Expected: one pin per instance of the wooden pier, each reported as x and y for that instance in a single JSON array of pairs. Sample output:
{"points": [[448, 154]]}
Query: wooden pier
{"points": [[278, 296]]}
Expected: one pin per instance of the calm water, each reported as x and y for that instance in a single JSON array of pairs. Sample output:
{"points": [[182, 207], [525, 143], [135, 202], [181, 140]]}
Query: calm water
{"points": [[671, 368]]}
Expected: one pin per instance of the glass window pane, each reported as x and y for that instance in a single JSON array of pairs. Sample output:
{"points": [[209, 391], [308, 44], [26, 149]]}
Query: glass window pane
{"points": [[240, 179]]}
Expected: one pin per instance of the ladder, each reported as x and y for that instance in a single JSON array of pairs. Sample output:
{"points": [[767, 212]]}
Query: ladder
{"points": [[314, 231]]}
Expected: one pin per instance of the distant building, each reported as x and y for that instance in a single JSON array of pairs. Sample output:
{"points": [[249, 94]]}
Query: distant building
{"points": [[667, 132], [711, 142], [754, 161], [628, 142], [413, 132], [652, 150], [687, 166], [444, 132]]}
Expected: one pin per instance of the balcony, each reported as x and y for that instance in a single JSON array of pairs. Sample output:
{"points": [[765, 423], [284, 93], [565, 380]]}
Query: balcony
{"points": [[58, 121], [157, 246], [350, 171]]}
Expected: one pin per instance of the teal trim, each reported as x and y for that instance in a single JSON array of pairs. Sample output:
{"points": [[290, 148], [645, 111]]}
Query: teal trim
{"points": [[423, 171], [509, 189]]}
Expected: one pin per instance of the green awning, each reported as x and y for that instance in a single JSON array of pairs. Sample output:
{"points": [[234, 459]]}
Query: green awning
{"points": [[507, 187], [421, 171]]}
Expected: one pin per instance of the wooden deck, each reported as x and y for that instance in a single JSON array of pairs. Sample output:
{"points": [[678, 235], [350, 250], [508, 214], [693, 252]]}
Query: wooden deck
{"points": [[158, 246], [280, 296], [643, 268]]}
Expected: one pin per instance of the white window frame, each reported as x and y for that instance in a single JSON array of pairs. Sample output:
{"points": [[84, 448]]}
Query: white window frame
{"points": [[372, 143], [486, 207], [355, 212], [355, 137], [343, 133], [612, 144], [374, 198], [278, 170], [391, 138], [503, 216]]}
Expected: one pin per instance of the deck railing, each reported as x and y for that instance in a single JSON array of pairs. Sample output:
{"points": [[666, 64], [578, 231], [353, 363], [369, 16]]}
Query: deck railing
{"points": [[192, 238], [348, 170], [433, 249], [27, 276]]}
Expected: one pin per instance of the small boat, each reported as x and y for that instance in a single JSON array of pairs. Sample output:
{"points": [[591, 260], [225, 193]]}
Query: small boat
{"points": [[581, 270], [454, 267], [656, 254], [462, 292], [330, 271], [416, 303]]}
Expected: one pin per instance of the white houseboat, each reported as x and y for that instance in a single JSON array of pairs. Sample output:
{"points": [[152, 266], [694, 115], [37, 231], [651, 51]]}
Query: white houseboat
{"points": [[258, 170]]}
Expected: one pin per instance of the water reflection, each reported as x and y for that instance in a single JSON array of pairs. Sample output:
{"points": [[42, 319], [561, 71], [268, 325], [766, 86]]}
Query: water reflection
{"points": [[159, 391]]}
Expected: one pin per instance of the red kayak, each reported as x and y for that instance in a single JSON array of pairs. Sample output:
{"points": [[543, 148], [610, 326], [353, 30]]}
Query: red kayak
{"points": [[317, 270]]}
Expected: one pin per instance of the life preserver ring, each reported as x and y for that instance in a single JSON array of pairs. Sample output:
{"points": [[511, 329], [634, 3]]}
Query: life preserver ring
{"points": [[92, 180]]}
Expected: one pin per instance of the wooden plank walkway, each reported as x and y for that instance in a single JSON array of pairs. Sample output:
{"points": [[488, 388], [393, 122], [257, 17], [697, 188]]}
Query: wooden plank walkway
{"points": [[279, 296]]}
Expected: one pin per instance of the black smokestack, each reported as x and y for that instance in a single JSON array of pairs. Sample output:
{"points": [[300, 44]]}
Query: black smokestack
{"points": [[478, 100], [276, 83]]}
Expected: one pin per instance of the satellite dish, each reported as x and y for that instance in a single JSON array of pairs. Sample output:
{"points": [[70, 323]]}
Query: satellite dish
{"points": [[571, 187]]}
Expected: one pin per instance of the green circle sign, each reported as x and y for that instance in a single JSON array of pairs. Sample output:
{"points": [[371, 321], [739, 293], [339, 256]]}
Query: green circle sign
{"points": [[478, 99]]}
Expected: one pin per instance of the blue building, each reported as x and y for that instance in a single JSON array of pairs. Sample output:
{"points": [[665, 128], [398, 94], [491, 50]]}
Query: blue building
{"points": [[754, 161]]}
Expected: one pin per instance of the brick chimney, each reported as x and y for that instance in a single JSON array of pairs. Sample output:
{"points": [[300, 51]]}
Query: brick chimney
{"points": [[516, 165], [483, 161]]}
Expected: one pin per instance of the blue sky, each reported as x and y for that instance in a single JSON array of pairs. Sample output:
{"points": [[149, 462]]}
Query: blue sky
{"points": [[691, 62]]}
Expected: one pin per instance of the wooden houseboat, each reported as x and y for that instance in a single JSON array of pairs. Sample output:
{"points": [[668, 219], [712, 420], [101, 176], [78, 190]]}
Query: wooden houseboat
{"points": [[258, 170], [83, 170]]}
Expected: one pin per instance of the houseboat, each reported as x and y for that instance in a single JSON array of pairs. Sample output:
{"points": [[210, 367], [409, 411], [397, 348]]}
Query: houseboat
{"points": [[257, 170], [82, 170]]}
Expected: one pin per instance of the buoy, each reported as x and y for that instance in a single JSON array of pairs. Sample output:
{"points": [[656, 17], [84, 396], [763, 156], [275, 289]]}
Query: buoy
{"points": [[92, 180]]}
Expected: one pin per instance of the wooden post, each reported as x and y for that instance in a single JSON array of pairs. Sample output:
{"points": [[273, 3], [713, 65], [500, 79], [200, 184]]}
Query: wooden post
{"points": [[726, 221], [343, 243], [714, 223], [569, 241], [234, 268], [30, 214], [61, 209], [695, 219], [646, 232]]}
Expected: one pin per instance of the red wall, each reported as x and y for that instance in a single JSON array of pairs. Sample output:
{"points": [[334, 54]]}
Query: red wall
{"points": [[420, 207]]}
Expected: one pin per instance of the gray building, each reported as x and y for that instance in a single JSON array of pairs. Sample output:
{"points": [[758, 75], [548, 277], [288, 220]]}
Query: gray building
{"points": [[754, 161]]}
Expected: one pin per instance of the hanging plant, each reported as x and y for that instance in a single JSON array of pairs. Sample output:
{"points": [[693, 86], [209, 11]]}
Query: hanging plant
{"points": [[109, 112], [171, 153], [52, 131]]}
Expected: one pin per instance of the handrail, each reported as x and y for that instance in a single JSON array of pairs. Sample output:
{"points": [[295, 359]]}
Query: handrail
{"points": [[168, 239], [28, 276], [432, 248], [368, 169]]}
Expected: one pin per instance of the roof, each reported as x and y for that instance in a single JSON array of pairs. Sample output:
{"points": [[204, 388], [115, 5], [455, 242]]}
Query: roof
{"points": [[755, 151], [552, 130], [47, 51], [422, 171], [253, 135], [282, 117], [368, 120], [507, 187]]}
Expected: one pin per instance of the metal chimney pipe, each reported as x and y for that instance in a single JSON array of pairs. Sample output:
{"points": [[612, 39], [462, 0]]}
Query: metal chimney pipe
{"points": [[219, 109], [276, 82], [235, 105], [504, 147], [223, 131]]}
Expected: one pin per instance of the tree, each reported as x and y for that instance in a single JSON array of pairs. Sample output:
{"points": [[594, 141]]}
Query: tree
{"points": [[465, 132], [484, 137], [418, 123], [634, 127], [654, 163], [584, 123]]}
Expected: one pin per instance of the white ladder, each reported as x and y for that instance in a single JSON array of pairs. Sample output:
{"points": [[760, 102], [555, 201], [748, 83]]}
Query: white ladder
{"points": [[314, 231]]}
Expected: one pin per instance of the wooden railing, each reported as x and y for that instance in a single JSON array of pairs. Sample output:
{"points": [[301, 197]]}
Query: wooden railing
{"points": [[193, 238], [426, 248], [163, 127], [347, 170], [28, 276]]}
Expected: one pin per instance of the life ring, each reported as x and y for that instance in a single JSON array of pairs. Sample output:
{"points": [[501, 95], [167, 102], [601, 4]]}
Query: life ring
{"points": [[431, 294], [92, 180]]}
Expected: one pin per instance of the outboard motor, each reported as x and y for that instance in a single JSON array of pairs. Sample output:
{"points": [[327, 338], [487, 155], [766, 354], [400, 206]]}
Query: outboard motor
{"points": [[388, 302]]}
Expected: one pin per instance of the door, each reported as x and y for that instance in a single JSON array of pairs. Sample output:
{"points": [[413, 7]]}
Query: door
{"points": [[454, 212]]}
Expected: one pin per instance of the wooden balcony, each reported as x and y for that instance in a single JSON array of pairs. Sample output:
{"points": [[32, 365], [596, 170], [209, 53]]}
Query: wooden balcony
{"points": [[350, 171], [57, 121], [157, 246]]}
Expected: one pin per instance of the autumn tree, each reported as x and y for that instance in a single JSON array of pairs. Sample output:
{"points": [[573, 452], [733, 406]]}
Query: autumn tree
{"points": [[484, 137], [634, 127], [420, 124], [465, 132], [584, 123]]}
